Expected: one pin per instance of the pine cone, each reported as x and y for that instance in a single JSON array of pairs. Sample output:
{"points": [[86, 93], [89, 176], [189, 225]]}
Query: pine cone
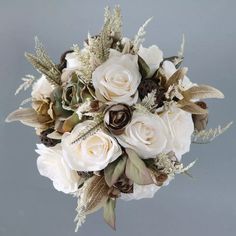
{"points": [[124, 184], [48, 142], [148, 85], [200, 121]]}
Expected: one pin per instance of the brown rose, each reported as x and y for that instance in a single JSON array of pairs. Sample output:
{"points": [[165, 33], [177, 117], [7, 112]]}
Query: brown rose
{"points": [[117, 117]]}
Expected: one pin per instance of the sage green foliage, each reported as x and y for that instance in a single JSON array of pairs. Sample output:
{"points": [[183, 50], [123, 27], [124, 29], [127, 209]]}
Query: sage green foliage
{"points": [[71, 93], [56, 98], [136, 170], [109, 212], [143, 67], [114, 170]]}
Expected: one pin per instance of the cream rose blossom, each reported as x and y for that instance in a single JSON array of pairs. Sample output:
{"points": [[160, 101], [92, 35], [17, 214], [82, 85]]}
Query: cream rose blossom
{"points": [[50, 164], [180, 128], [91, 154], [153, 56], [145, 134], [117, 79], [144, 191], [73, 65], [72, 61], [140, 192]]}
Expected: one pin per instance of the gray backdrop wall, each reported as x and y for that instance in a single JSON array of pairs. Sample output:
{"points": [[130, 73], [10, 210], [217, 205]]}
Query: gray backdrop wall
{"points": [[204, 205]]}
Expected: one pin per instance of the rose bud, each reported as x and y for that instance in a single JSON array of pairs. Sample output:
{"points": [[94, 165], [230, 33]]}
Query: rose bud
{"points": [[117, 117], [200, 121]]}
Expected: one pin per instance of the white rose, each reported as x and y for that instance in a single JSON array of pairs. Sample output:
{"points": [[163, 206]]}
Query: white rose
{"points": [[144, 191], [51, 164], [91, 154], [41, 89], [169, 70], [181, 127], [72, 61], [145, 134], [141, 191], [73, 65], [153, 56], [117, 79]]}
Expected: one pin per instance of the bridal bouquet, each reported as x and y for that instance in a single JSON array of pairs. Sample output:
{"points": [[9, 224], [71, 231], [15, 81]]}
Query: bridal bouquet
{"points": [[114, 118]]}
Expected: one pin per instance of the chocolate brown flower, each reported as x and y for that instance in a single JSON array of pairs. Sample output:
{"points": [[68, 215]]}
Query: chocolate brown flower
{"points": [[117, 117]]}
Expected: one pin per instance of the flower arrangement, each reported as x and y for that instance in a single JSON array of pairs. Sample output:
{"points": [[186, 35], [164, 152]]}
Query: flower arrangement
{"points": [[114, 118]]}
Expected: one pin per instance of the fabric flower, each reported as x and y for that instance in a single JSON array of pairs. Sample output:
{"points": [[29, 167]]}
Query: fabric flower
{"points": [[72, 61], [146, 134], [153, 56], [42, 103], [117, 117], [91, 154], [144, 191], [180, 128], [73, 64], [169, 69], [51, 164], [117, 79], [141, 191]]}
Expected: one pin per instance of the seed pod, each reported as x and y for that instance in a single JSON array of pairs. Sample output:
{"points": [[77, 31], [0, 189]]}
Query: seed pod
{"points": [[48, 142], [200, 120], [124, 185], [148, 85]]}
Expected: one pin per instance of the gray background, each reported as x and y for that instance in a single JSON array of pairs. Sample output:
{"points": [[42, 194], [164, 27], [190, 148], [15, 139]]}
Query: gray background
{"points": [[205, 205]]}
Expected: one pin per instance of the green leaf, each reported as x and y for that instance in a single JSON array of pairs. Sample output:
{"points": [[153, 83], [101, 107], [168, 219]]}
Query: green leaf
{"points": [[71, 122], [114, 170], [136, 169], [56, 98], [109, 213], [143, 67]]}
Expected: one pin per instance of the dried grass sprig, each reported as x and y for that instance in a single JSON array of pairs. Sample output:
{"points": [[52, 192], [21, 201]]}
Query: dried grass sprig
{"points": [[42, 62], [206, 136]]}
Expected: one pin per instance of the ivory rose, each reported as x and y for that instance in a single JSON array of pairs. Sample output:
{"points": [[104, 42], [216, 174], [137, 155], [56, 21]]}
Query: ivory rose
{"points": [[91, 154], [72, 61], [153, 56], [145, 134], [117, 79], [140, 192], [50, 164], [180, 128]]}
